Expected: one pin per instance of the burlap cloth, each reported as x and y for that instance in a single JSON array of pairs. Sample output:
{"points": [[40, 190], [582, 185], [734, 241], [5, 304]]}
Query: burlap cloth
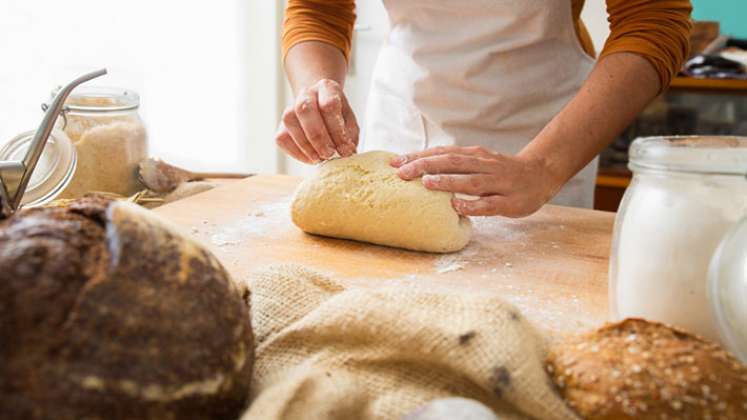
{"points": [[329, 352]]}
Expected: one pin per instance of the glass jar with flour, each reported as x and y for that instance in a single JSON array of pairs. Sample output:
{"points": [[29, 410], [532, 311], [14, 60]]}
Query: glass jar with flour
{"points": [[686, 194], [109, 137]]}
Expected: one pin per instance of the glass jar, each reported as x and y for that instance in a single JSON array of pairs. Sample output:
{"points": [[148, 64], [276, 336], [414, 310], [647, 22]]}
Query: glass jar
{"points": [[686, 193], [53, 171], [110, 139], [727, 289]]}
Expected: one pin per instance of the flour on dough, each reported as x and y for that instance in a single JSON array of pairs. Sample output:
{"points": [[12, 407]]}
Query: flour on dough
{"points": [[362, 198]]}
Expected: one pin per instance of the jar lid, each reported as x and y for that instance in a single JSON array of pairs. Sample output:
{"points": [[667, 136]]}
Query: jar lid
{"points": [[100, 99], [727, 289], [710, 155], [54, 170]]}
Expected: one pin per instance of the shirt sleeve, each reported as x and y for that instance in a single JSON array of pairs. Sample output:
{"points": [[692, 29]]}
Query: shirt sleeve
{"points": [[658, 30], [326, 21]]}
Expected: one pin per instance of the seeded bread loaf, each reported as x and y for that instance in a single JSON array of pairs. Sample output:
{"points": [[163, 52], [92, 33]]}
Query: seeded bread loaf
{"points": [[637, 369], [107, 313]]}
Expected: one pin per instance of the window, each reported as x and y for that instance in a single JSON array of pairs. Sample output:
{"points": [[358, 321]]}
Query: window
{"points": [[193, 62]]}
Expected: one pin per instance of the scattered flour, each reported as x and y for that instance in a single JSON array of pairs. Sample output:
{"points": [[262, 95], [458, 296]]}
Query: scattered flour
{"points": [[257, 222], [447, 267], [484, 249], [221, 239]]}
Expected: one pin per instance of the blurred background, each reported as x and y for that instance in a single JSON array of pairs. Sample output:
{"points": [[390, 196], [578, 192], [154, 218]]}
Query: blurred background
{"points": [[208, 73], [210, 77]]}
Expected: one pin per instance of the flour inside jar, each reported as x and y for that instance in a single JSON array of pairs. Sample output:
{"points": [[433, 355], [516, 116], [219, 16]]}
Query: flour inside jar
{"points": [[110, 140]]}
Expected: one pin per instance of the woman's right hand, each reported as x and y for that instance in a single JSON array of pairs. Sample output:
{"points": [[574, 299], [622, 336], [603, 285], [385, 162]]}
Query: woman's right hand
{"points": [[319, 124]]}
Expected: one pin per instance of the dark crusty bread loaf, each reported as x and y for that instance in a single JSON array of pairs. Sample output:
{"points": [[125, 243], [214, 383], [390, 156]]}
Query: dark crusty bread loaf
{"points": [[106, 313], [647, 370]]}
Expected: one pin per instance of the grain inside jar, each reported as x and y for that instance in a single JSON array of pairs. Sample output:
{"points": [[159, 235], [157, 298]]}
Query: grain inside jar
{"points": [[110, 140]]}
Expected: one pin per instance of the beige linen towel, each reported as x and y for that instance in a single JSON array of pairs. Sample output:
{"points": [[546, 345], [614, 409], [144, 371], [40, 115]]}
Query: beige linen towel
{"points": [[329, 352]]}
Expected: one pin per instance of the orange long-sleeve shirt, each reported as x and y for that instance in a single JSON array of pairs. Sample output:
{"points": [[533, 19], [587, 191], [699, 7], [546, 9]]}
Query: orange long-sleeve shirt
{"points": [[656, 29]]}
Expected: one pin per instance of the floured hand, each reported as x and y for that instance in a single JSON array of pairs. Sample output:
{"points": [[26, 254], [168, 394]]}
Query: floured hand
{"points": [[504, 185], [320, 125]]}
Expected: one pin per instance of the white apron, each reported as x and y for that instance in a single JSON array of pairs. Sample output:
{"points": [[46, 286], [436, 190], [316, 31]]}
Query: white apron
{"points": [[476, 72]]}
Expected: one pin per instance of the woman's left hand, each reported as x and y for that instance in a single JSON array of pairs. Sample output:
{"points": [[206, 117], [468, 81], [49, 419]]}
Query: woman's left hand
{"points": [[509, 186]]}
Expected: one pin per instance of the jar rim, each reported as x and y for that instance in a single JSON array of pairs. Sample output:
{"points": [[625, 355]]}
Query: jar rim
{"points": [[54, 170], [697, 154], [100, 99]]}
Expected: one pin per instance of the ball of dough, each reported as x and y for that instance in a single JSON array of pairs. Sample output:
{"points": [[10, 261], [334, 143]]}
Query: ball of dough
{"points": [[362, 198], [107, 313]]}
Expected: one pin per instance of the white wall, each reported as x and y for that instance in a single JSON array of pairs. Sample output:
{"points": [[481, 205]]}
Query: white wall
{"points": [[187, 59], [208, 72], [265, 84]]}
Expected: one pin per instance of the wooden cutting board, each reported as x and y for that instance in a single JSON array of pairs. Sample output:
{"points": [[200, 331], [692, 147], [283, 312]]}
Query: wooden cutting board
{"points": [[552, 265]]}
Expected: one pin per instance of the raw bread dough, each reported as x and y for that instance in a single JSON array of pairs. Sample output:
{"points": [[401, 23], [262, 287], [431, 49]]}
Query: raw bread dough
{"points": [[362, 198]]}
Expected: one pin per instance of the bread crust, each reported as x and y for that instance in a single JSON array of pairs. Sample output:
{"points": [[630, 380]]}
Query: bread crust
{"points": [[159, 332], [647, 370]]}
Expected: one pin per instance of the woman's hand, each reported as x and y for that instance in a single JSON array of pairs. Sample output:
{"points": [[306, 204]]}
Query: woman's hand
{"points": [[506, 185], [319, 124]]}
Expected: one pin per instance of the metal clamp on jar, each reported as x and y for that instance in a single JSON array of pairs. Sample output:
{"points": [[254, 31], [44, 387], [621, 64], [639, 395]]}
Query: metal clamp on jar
{"points": [[19, 159]]}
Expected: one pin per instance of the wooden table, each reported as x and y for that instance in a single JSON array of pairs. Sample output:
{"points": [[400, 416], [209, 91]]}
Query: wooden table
{"points": [[552, 265]]}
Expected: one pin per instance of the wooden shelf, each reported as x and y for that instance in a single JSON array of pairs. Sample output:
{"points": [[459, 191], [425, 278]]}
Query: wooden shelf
{"points": [[613, 181], [719, 85], [610, 187]]}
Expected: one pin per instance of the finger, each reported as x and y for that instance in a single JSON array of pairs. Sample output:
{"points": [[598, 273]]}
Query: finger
{"points": [[291, 123], [330, 106], [473, 184], [440, 150], [493, 205], [307, 111], [398, 161], [485, 206], [446, 164], [351, 123], [479, 151], [285, 142]]}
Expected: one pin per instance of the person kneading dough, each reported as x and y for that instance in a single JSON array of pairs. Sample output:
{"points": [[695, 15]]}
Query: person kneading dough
{"points": [[362, 197], [501, 100]]}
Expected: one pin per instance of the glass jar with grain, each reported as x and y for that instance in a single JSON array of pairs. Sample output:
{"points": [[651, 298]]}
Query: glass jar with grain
{"points": [[109, 137]]}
